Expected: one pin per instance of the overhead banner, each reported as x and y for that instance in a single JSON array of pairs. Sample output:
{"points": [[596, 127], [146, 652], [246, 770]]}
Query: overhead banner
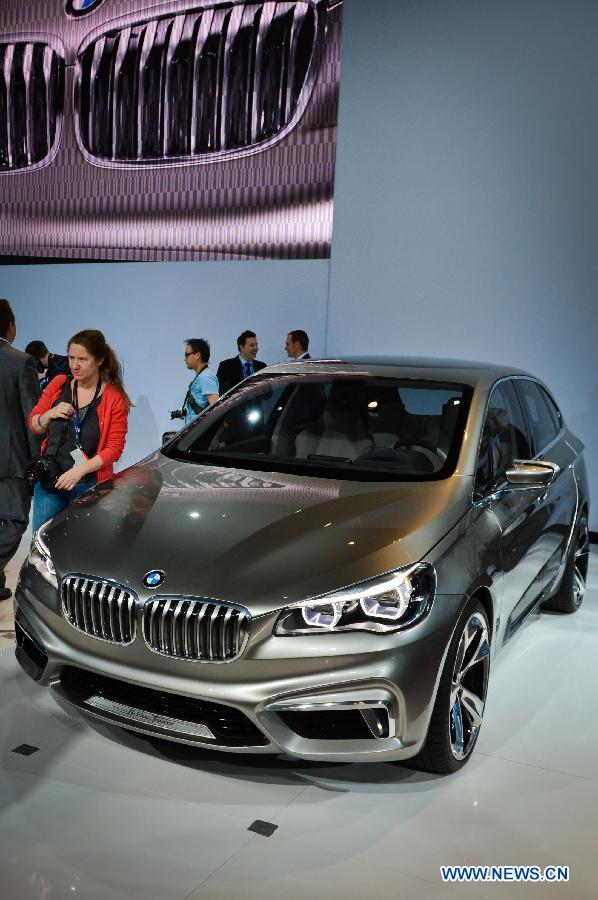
{"points": [[165, 131]]}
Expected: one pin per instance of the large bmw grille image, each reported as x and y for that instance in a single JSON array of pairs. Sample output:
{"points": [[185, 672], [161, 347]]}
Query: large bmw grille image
{"points": [[185, 87], [31, 95], [178, 130]]}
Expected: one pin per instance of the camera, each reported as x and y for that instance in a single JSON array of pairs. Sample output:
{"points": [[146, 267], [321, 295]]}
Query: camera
{"points": [[177, 413], [44, 469]]}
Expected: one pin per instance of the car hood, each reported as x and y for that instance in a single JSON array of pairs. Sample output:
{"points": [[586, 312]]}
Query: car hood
{"points": [[262, 540]]}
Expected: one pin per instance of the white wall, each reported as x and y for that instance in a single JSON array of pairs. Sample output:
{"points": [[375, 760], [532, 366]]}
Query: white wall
{"points": [[146, 310], [466, 199]]}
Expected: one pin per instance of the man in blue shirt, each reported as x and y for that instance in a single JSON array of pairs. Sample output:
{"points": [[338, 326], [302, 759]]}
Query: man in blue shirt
{"points": [[203, 390]]}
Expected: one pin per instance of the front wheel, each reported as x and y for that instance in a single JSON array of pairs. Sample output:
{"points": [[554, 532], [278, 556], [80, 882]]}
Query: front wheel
{"points": [[461, 697]]}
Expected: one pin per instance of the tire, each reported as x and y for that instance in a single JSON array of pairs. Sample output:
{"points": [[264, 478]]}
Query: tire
{"points": [[461, 696], [570, 594]]}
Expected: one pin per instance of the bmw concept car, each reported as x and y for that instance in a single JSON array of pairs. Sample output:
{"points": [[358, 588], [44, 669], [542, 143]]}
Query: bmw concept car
{"points": [[323, 564]]}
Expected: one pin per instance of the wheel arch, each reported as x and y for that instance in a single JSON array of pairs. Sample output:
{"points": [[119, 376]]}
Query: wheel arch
{"points": [[483, 594]]}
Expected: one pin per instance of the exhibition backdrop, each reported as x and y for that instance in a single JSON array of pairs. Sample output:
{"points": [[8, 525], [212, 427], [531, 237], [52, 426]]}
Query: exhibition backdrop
{"points": [[466, 209], [144, 130]]}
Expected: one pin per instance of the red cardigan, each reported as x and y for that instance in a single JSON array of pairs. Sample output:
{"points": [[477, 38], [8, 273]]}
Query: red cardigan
{"points": [[113, 414]]}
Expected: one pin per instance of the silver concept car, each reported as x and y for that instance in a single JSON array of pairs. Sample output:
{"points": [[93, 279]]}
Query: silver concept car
{"points": [[323, 564]]}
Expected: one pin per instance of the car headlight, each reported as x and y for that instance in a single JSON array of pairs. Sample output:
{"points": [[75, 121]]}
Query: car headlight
{"points": [[40, 559], [388, 603]]}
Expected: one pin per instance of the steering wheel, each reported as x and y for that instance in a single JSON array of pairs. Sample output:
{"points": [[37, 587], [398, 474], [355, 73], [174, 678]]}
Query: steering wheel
{"points": [[426, 448]]}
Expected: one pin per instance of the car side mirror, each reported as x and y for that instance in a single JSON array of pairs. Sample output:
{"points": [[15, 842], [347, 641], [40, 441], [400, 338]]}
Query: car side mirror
{"points": [[531, 473]]}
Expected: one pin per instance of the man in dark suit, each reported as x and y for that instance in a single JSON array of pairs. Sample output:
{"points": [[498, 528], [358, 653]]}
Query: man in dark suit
{"points": [[19, 392], [49, 365], [232, 371], [297, 344]]}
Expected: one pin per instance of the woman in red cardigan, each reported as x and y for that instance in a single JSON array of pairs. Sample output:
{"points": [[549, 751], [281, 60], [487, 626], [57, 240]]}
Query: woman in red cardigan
{"points": [[85, 421]]}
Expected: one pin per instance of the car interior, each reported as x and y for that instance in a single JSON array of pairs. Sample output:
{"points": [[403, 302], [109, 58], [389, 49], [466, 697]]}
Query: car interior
{"points": [[372, 423]]}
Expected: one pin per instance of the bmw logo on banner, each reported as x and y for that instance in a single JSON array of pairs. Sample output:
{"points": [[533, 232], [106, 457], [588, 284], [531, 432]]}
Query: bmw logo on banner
{"points": [[154, 578], [82, 7]]}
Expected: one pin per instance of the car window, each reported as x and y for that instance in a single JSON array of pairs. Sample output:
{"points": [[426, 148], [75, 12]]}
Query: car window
{"points": [[337, 426], [552, 408], [504, 438], [544, 429], [422, 402]]}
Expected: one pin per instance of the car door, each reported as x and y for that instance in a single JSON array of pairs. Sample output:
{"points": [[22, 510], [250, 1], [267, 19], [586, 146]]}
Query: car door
{"points": [[522, 512], [549, 444]]}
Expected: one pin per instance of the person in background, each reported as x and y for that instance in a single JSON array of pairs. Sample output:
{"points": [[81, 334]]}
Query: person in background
{"points": [[19, 392], [49, 365], [232, 371], [203, 389], [85, 422], [297, 344]]}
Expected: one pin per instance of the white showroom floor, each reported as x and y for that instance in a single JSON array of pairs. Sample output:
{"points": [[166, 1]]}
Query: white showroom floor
{"points": [[100, 814]]}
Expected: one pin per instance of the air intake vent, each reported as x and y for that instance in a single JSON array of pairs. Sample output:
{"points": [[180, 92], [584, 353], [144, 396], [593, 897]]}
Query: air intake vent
{"points": [[207, 82], [31, 99], [101, 609], [231, 727], [200, 630]]}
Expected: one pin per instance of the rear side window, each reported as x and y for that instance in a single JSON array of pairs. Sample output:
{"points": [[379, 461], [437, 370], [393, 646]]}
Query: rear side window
{"points": [[544, 428], [553, 409]]}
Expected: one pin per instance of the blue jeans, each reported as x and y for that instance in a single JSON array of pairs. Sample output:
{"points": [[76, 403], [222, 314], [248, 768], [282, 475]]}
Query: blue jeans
{"points": [[48, 503]]}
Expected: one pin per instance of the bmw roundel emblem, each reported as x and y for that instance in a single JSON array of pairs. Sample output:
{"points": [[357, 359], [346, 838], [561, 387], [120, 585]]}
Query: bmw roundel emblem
{"points": [[154, 578], [81, 7]]}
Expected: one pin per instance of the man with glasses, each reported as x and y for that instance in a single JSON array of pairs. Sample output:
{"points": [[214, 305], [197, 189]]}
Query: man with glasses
{"points": [[203, 389]]}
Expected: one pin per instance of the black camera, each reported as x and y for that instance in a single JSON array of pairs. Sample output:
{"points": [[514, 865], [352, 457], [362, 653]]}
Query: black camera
{"points": [[44, 469], [177, 413]]}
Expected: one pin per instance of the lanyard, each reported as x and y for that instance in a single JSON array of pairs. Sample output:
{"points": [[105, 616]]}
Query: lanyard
{"points": [[78, 419]]}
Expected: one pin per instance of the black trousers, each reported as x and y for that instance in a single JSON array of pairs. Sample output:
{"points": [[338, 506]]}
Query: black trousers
{"points": [[15, 502]]}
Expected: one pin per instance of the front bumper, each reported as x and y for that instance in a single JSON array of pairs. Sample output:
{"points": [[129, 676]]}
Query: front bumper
{"points": [[329, 697]]}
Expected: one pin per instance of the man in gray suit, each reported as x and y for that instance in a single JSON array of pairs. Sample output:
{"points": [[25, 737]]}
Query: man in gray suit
{"points": [[19, 392]]}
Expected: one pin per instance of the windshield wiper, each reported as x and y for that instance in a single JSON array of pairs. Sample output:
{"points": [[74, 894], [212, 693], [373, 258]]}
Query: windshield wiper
{"points": [[329, 459]]}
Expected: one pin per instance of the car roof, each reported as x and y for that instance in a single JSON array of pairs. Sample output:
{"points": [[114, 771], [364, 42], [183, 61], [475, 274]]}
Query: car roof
{"points": [[475, 374]]}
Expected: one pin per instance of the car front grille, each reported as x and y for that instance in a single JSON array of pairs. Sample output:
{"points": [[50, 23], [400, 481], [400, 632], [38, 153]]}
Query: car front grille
{"points": [[31, 100], [230, 726], [206, 82], [200, 630], [101, 609]]}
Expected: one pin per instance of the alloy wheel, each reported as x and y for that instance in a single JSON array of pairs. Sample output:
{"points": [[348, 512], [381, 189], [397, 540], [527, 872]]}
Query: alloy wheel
{"points": [[468, 686], [580, 562]]}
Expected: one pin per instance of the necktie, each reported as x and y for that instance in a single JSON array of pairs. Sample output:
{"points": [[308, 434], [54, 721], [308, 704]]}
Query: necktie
{"points": [[247, 369]]}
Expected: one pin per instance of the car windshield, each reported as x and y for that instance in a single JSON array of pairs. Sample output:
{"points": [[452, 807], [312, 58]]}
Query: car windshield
{"points": [[353, 427]]}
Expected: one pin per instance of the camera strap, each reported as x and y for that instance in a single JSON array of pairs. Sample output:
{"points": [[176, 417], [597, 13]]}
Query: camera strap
{"points": [[78, 419], [62, 397], [190, 399]]}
